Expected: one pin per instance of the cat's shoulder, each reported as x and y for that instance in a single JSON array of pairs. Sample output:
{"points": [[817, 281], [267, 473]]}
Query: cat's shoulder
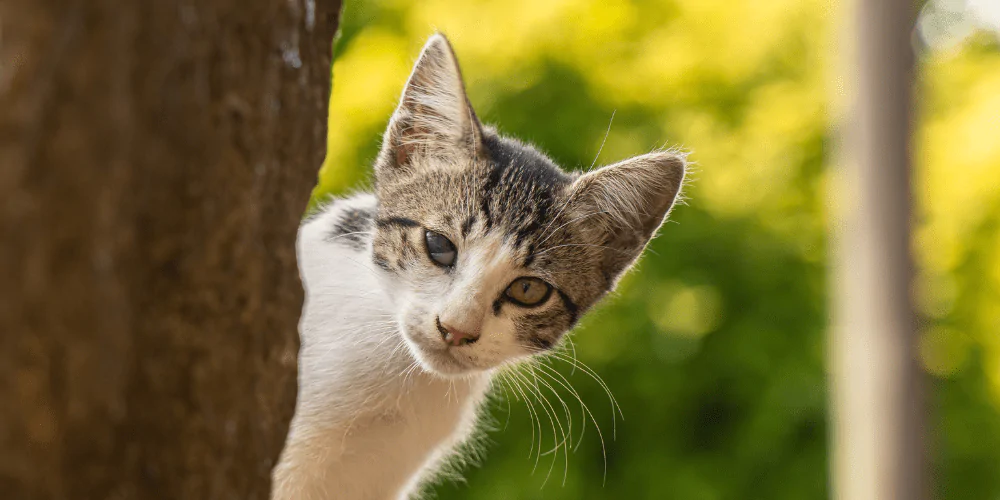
{"points": [[344, 221]]}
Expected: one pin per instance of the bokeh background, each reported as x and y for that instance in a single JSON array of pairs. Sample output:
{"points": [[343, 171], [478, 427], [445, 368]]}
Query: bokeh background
{"points": [[715, 346]]}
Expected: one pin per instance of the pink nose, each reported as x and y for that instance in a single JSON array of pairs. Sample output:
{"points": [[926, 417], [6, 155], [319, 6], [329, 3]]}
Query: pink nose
{"points": [[455, 337]]}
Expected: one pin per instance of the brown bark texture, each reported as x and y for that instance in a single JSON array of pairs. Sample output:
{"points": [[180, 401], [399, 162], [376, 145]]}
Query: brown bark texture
{"points": [[155, 160]]}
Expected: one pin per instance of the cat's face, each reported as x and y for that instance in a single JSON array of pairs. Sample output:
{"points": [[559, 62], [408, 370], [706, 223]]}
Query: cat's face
{"points": [[490, 252]]}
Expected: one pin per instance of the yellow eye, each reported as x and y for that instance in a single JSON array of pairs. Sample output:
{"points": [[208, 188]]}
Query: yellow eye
{"points": [[528, 292]]}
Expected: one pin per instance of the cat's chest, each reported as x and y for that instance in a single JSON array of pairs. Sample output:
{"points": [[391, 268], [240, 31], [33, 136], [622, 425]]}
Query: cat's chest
{"points": [[434, 410], [423, 421]]}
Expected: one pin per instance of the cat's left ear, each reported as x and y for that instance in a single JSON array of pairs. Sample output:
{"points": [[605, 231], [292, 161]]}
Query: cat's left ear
{"points": [[628, 201], [434, 119]]}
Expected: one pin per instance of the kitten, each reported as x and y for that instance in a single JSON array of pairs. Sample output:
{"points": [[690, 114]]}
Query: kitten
{"points": [[475, 251]]}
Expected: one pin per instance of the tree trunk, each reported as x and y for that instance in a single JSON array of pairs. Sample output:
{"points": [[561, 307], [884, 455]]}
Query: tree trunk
{"points": [[155, 160]]}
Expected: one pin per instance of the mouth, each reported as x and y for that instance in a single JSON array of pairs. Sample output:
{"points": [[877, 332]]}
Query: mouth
{"points": [[438, 360]]}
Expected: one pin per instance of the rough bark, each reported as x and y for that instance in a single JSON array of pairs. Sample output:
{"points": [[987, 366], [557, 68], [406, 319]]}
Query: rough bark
{"points": [[155, 159]]}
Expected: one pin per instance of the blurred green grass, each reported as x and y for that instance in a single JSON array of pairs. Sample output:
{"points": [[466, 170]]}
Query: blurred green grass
{"points": [[714, 346]]}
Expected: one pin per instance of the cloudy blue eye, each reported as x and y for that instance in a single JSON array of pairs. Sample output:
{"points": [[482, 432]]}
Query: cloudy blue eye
{"points": [[440, 249]]}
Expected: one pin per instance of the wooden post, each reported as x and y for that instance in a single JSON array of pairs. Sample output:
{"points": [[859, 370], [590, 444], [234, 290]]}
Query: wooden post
{"points": [[877, 410]]}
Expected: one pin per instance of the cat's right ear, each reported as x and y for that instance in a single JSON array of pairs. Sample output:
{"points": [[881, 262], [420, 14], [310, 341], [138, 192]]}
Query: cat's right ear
{"points": [[434, 119], [630, 200]]}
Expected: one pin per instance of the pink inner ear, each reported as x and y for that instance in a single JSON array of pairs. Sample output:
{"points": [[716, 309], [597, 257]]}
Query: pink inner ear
{"points": [[406, 149], [403, 152]]}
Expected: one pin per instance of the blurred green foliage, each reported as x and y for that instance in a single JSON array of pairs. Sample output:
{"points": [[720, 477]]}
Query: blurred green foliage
{"points": [[714, 346]]}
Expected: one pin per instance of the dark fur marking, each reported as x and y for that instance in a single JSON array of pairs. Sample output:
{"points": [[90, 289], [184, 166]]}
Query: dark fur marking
{"points": [[533, 328], [571, 307], [526, 231], [380, 261], [409, 250], [538, 168], [531, 255], [487, 192], [542, 329], [519, 189], [349, 228], [396, 221], [541, 344], [467, 225]]}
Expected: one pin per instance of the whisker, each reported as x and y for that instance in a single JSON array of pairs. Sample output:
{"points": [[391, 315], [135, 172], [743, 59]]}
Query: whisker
{"points": [[570, 197], [580, 245], [553, 420], [565, 383], [597, 378], [534, 418], [568, 432], [348, 234], [605, 140], [561, 210], [552, 373], [572, 345], [554, 231], [506, 397]]}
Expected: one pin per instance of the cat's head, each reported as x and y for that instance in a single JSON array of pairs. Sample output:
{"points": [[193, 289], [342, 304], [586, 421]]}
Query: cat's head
{"points": [[490, 252]]}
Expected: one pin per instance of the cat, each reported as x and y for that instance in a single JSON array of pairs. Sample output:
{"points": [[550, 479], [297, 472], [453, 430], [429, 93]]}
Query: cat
{"points": [[475, 251]]}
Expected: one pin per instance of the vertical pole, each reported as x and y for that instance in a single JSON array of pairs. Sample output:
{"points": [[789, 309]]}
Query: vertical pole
{"points": [[877, 410]]}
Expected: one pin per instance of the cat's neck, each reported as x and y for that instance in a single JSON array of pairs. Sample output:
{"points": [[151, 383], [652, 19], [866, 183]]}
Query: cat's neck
{"points": [[370, 422]]}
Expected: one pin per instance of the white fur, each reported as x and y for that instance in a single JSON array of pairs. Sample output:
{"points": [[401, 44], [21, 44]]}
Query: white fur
{"points": [[370, 423]]}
